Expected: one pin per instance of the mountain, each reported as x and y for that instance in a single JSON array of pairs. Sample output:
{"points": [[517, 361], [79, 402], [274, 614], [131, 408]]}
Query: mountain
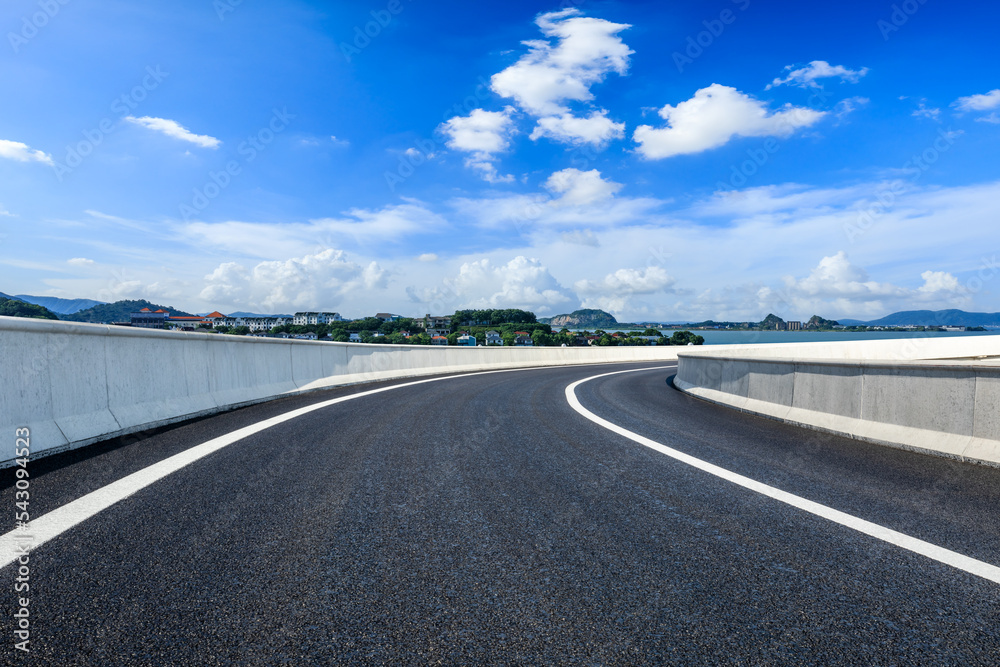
{"points": [[817, 322], [59, 306], [582, 319], [17, 308], [771, 322], [119, 311], [241, 313], [932, 318]]}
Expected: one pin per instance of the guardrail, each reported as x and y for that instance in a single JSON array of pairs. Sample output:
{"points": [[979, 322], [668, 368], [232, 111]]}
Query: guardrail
{"points": [[948, 408], [75, 384]]}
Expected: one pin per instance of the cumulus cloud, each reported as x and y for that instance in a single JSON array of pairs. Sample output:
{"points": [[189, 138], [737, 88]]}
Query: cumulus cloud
{"points": [[580, 188], [984, 102], [483, 134], [838, 284], [314, 281], [173, 129], [614, 291], [712, 117], [805, 77], [596, 129], [586, 50], [579, 52], [520, 283], [15, 150]]}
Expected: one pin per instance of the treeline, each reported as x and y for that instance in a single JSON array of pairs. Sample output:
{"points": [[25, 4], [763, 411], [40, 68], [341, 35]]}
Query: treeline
{"points": [[16, 308], [491, 317]]}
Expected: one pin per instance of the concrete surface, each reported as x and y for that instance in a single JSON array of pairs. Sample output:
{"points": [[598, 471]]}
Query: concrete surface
{"points": [[944, 403]]}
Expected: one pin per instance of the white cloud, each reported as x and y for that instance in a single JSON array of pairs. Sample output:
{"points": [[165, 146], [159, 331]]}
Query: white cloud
{"points": [[81, 262], [340, 143], [580, 188], [268, 240], [520, 283], [614, 292], [597, 129], [173, 129], [15, 150], [938, 282], [579, 53], [992, 118], [805, 77], [836, 277], [304, 283], [5, 213], [427, 257], [483, 134], [985, 102], [849, 105], [549, 75], [714, 116], [923, 111]]}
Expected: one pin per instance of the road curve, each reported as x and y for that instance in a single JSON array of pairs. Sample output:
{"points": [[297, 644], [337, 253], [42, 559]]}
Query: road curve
{"points": [[480, 519]]}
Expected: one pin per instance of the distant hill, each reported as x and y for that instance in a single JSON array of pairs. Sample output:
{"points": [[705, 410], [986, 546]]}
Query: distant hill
{"points": [[119, 311], [17, 308], [582, 319], [241, 313], [60, 306], [932, 318]]}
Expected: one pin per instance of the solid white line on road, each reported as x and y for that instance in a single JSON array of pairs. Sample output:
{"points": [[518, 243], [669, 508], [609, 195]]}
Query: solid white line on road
{"points": [[17, 543], [940, 554]]}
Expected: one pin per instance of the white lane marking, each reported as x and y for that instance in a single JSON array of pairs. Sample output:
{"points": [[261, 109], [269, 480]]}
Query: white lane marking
{"points": [[17, 543], [940, 554]]}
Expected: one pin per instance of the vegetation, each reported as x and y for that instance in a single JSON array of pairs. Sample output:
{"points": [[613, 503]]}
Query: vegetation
{"points": [[490, 318], [18, 308], [585, 318], [119, 311]]}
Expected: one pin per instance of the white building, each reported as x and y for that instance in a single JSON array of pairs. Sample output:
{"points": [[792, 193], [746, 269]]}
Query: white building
{"points": [[494, 338], [304, 319]]}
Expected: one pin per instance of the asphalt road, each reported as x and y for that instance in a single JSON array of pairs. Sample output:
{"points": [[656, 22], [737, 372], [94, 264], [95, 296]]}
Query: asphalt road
{"points": [[480, 520]]}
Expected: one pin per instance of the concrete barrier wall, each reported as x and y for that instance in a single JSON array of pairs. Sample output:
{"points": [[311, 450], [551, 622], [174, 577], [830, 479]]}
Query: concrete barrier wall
{"points": [[74, 384], [941, 406]]}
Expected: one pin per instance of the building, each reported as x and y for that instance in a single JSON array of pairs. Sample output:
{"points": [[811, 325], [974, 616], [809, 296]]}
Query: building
{"points": [[794, 326], [185, 323], [494, 338], [439, 340], [150, 319], [467, 340], [355, 338], [305, 319], [523, 339], [436, 325], [388, 317]]}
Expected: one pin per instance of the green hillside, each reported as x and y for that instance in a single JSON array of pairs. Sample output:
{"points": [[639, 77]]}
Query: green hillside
{"points": [[17, 308], [119, 311]]}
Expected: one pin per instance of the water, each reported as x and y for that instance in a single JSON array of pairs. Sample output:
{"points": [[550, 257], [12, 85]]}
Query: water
{"points": [[713, 337]]}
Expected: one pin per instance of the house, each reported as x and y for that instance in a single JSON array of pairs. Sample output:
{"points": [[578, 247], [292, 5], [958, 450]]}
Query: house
{"points": [[523, 339], [467, 340], [355, 338], [494, 338], [437, 325], [148, 319], [388, 317], [307, 318], [439, 340], [185, 323]]}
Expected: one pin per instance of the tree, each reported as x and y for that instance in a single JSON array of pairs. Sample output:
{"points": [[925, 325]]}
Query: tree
{"points": [[686, 337]]}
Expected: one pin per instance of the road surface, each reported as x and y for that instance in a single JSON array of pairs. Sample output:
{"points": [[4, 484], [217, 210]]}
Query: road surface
{"points": [[482, 520]]}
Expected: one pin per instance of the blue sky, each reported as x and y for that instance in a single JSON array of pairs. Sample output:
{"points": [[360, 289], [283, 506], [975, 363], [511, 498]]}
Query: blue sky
{"points": [[683, 160]]}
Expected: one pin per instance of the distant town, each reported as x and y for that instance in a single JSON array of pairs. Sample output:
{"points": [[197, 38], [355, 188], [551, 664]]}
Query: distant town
{"points": [[489, 327]]}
